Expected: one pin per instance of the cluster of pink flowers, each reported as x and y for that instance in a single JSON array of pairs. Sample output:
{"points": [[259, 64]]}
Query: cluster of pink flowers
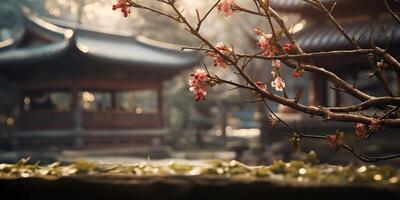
{"points": [[218, 60], [199, 84], [227, 7], [124, 6], [335, 140], [278, 83], [265, 44], [361, 131]]}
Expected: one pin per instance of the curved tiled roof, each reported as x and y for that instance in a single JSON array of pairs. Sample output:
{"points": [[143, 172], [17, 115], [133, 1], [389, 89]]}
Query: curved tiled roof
{"points": [[127, 50], [382, 32], [343, 7], [32, 55], [327, 37], [13, 20], [301, 4], [108, 48]]}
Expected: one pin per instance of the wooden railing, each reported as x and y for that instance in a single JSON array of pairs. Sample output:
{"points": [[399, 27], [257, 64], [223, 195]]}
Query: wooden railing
{"points": [[45, 120], [110, 119], [120, 120]]}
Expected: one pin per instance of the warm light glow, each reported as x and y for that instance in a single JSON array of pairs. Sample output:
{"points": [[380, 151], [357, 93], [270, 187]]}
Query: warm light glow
{"points": [[55, 12], [53, 7], [377, 177], [69, 33], [362, 169], [300, 179], [245, 133], [139, 110], [88, 97], [83, 48], [10, 121], [191, 6], [27, 100], [393, 180], [6, 42], [298, 27]]}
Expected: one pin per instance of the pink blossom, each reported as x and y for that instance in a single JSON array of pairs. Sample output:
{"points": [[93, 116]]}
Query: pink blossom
{"points": [[124, 6], [262, 86], [217, 58], [361, 131], [226, 7], [274, 74], [278, 84], [276, 64], [221, 46], [297, 73], [265, 44], [258, 31], [199, 84], [288, 47], [335, 140], [375, 124]]}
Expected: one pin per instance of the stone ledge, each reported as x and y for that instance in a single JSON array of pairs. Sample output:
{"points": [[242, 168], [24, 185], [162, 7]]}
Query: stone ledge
{"points": [[119, 187]]}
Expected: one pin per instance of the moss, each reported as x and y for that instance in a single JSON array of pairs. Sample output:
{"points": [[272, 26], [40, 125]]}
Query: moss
{"points": [[296, 170]]}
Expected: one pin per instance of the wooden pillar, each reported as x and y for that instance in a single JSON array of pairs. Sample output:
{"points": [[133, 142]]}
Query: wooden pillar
{"points": [[338, 98], [319, 93], [398, 81], [76, 112], [160, 104], [266, 137], [113, 100]]}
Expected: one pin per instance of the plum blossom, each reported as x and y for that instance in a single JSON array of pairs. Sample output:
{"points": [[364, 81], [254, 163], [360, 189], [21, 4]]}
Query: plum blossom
{"points": [[199, 84], [288, 47], [124, 6], [335, 140], [217, 58], [375, 124], [260, 32], [276, 64], [278, 84], [265, 44], [226, 7], [262, 86], [361, 131], [297, 73]]}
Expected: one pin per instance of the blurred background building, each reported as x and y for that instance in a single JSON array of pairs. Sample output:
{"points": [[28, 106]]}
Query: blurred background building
{"points": [[75, 75]]}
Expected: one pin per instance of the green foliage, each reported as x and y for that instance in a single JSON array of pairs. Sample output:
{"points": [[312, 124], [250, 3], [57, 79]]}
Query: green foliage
{"points": [[297, 170]]}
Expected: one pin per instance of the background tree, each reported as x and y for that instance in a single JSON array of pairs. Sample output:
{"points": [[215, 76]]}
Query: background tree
{"points": [[273, 47]]}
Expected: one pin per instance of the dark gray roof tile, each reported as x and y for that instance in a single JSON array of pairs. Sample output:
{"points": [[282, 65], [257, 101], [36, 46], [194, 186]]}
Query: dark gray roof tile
{"points": [[101, 47], [343, 7], [327, 37]]}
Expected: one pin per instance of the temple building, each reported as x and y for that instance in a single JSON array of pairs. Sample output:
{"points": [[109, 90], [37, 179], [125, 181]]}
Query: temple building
{"points": [[367, 22], [82, 88]]}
